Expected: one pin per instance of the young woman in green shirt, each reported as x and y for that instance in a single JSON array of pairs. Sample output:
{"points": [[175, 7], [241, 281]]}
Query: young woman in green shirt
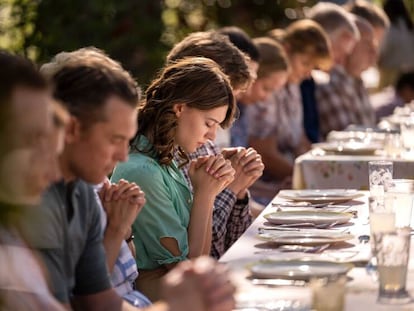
{"points": [[183, 108]]}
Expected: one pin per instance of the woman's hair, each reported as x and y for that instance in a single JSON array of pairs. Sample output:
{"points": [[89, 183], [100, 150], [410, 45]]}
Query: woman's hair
{"points": [[305, 37], [196, 82], [272, 57]]}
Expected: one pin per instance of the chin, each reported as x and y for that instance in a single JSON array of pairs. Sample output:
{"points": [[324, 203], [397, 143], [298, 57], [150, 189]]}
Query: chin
{"points": [[95, 180]]}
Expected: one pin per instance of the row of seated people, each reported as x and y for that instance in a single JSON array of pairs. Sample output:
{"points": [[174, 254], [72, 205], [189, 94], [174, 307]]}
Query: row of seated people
{"points": [[177, 195]]}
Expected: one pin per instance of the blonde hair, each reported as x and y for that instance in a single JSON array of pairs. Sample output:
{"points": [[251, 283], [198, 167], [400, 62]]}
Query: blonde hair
{"points": [[272, 57], [305, 37]]}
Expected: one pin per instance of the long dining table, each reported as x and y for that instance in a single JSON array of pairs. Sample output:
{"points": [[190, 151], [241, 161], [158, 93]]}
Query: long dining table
{"points": [[362, 284], [316, 170]]}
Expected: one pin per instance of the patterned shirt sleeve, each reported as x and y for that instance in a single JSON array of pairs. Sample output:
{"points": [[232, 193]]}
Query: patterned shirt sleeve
{"points": [[240, 219], [336, 101], [230, 220]]}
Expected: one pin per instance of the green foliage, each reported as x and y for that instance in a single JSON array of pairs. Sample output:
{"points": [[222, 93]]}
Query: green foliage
{"points": [[255, 16], [128, 31], [138, 33]]}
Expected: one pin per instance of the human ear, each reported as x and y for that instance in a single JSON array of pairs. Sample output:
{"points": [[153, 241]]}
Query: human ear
{"points": [[72, 130], [178, 109]]}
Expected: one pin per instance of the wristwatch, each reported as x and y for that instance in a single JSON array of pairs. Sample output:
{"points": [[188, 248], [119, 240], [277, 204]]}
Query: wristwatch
{"points": [[130, 238], [245, 200]]}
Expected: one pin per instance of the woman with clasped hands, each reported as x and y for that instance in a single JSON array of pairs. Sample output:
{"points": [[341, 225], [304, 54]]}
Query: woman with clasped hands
{"points": [[183, 108]]}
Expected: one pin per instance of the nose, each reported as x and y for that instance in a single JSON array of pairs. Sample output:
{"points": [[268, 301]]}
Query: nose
{"points": [[211, 134], [121, 155]]}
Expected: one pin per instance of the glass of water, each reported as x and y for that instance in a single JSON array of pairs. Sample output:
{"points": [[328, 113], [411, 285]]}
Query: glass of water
{"points": [[393, 251], [407, 134], [380, 176]]}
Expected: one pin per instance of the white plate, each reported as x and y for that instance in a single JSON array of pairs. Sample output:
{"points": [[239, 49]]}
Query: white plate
{"points": [[305, 237], [320, 195], [349, 148], [297, 269], [313, 217]]}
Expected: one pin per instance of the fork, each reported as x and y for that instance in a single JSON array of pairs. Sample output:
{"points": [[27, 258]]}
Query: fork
{"points": [[294, 229], [302, 204], [303, 248], [310, 224]]}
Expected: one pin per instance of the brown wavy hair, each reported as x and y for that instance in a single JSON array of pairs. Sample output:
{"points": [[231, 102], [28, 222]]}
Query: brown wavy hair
{"points": [[197, 82], [217, 47]]}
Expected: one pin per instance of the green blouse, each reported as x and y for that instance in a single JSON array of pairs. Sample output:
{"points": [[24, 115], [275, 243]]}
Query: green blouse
{"points": [[167, 209]]}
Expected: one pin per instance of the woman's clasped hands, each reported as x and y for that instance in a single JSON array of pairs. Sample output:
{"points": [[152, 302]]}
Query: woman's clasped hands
{"points": [[211, 173]]}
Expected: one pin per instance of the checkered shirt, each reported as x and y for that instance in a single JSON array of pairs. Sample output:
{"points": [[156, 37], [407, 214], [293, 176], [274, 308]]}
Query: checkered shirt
{"points": [[230, 219], [343, 101]]}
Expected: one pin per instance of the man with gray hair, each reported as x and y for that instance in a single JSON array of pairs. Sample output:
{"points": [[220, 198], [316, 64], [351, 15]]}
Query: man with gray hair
{"points": [[343, 35], [339, 26], [344, 99]]}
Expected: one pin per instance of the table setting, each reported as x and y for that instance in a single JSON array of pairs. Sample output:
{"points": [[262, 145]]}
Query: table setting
{"points": [[319, 249], [342, 161]]}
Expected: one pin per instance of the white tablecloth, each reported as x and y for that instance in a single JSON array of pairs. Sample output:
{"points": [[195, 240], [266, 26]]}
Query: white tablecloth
{"points": [[362, 290], [314, 171]]}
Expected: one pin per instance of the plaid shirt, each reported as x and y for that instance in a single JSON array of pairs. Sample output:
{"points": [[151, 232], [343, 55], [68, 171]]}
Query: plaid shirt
{"points": [[230, 219], [343, 101]]}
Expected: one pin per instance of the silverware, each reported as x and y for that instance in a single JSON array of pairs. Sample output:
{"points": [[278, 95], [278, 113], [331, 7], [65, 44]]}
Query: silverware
{"points": [[304, 249], [261, 229], [296, 248], [305, 230], [310, 224], [301, 204], [278, 282]]}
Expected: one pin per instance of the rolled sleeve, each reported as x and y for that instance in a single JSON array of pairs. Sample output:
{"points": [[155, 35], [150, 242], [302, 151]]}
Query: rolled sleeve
{"points": [[165, 214]]}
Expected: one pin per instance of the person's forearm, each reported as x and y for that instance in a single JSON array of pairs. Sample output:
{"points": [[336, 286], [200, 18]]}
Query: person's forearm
{"points": [[158, 306], [208, 240], [276, 164], [199, 229], [304, 146], [112, 244]]}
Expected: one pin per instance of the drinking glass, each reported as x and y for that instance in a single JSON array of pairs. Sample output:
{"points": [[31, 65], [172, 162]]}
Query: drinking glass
{"points": [[393, 144], [393, 251], [399, 198], [407, 134], [381, 219], [380, 175], [328, 293]]}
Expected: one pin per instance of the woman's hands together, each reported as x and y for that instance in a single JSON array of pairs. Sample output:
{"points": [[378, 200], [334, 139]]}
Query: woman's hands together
{"points": [[211, 174]]}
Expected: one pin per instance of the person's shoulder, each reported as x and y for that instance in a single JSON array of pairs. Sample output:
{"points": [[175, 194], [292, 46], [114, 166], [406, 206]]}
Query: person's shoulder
{"points": [[140, 161], [138, 168], [53, 196]]}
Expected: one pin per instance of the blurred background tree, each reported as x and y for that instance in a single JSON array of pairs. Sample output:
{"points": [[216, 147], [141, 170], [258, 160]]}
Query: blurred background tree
{"points": [[138, 33]]}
